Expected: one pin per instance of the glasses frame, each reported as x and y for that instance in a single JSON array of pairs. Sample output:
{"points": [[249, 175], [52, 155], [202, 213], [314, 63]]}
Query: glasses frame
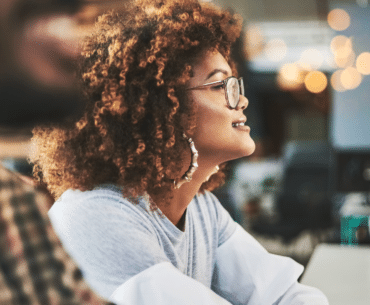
{"points": [[224, 83]]}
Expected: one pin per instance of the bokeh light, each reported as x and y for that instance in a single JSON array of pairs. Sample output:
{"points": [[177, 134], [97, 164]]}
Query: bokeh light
{"points": [[276, 49], [363, 63], [350, 78], [344, 62], [315, 81], [339, 19], [336, 82], [341, 47], [312, 58], [304, 66], [254, 41], [340, 41], [290, 77], [344, 51]]}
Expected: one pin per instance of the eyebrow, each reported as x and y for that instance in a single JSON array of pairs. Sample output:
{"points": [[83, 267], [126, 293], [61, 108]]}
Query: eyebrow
{"points": [[215, 71]]}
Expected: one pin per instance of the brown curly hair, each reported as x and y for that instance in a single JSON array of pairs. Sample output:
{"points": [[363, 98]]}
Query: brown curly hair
{"points": [[134, 69]]}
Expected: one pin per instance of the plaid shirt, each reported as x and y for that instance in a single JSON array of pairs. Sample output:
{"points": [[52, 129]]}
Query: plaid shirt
{"points": [[34, 268]]}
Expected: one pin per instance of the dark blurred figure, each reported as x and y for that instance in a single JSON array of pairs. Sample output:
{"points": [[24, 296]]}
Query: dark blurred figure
{"points": [[37, 49], [37, 85]]}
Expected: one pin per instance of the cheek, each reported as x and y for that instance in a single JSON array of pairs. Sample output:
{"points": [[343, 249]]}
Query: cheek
{"points": [[213, 125]]}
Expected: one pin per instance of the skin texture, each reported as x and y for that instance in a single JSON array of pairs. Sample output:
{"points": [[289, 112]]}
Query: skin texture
{"points": [[214, 137]]}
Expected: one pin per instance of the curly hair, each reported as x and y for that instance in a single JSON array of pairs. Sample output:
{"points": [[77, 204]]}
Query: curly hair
{"points": [[134, 69]]}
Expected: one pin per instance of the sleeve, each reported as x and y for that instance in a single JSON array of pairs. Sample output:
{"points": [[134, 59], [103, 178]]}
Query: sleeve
{"points": [[163, 284], [299, 294], [109, 241], [245, 273]]}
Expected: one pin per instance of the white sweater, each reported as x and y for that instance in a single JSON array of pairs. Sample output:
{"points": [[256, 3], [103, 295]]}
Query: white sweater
{"points": [[131, 255]]}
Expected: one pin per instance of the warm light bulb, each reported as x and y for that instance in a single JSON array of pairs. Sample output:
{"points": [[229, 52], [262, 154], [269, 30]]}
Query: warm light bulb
{"points": [[336, 82], [363, 63], [340, 41], [347, 61], [339, 19], [350, 78], [315, 81], [290, 76]]}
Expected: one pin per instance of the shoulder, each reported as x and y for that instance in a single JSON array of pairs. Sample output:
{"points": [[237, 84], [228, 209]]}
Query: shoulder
{"points": [[103, 201], [207, 200], [210, 210], [109, 237], [208, 203], [102, 212]]}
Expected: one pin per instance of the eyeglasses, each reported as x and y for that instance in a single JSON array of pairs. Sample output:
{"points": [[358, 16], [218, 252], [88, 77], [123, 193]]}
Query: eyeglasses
{"points": [[233, 89]]}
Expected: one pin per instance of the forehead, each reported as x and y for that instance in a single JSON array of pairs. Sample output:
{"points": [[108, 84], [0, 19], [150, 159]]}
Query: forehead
{"points": [[208, 62]]}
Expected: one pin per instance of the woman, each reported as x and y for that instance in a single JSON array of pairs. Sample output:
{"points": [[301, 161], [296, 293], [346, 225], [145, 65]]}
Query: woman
{"points": [[141, 223]]}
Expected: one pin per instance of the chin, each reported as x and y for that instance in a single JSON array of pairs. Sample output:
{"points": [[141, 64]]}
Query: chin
{"points": [[248, 148], [244, 151], [252, 148], [247, 153]]}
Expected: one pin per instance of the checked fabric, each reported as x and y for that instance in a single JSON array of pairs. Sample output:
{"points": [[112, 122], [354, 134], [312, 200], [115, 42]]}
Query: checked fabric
{"points": [[34, 268]]}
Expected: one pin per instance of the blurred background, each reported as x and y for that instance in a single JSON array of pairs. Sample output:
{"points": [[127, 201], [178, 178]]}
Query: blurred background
{"points": [[306, 66]]}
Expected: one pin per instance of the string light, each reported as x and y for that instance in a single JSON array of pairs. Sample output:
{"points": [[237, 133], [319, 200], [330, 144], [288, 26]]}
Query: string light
{"points": [[350, 78], [315, 81], [339, 19], [363, 63], [336, 82], [340, 42], [347, 61], [290, 77]]}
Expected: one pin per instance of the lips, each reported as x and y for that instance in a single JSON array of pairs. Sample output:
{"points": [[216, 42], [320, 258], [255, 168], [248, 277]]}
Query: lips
{"points": [[240, 125], [240, 122]]}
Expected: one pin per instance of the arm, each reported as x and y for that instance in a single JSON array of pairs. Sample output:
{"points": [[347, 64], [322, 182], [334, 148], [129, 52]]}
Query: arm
{"points": [[299, 294], [163, 284], [245, 273]]}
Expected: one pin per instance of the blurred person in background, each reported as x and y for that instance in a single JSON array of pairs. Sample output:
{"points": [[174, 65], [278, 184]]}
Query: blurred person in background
{"points": [[133, 176], [37, 84], [37, 75]]}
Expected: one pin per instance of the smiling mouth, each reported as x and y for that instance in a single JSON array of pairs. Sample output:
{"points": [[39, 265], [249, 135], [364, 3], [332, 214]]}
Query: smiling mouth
{"points": [[238, 124]]}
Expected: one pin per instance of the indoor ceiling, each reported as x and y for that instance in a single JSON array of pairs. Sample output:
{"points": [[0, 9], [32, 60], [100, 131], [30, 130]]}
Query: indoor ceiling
{"points": [[283, 10]]}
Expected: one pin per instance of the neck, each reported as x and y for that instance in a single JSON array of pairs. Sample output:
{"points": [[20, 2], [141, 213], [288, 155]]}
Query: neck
{"points": [[176, 207]]}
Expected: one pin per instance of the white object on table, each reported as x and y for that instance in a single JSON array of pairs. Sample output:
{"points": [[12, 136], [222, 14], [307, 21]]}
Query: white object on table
{"points": [[341, 272]]}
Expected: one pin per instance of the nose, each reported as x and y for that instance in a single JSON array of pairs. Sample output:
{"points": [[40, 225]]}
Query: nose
{"points": [[243, 102]]}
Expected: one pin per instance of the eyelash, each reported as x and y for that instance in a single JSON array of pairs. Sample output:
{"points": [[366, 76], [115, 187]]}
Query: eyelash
{"points": [[218, 87]]}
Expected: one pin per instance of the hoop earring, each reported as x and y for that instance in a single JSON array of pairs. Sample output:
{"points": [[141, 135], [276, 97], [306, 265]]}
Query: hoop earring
{"points": [[216, 169], [193, 165]]}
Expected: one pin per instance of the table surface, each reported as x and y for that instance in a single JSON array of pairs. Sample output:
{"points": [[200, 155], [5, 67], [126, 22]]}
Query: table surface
{"points": [[341, 272]]}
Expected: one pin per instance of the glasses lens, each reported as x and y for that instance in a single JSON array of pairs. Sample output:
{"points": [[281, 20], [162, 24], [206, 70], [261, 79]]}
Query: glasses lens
{"points": [[241, 86], [233, 92]]}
